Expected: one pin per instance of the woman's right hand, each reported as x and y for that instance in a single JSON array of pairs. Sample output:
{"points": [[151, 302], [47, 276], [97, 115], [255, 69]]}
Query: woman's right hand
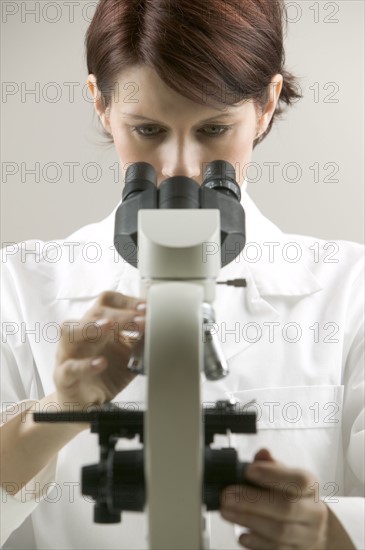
{"points": [[93, 353]]}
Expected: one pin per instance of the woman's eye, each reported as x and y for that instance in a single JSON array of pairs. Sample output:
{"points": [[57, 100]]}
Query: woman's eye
{"points": [[145, 131], [151, 131], [221, 130]]}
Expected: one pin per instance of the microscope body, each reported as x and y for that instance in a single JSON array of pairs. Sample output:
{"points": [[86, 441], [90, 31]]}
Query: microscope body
{"points": [[176, 282], [179, 236], [179, 256]]}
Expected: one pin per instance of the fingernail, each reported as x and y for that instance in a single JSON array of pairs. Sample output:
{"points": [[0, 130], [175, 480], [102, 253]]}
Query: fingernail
{"points": [[139, 319], [102, 322], [141, 306], [97, 362]]}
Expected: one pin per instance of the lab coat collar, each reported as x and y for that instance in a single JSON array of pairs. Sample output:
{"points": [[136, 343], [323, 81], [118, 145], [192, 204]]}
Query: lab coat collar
{"points": [[275, 273], [268, 276]]}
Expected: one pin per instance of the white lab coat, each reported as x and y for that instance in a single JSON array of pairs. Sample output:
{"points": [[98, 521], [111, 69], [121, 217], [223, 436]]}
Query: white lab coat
{"points": [[293, 340]]}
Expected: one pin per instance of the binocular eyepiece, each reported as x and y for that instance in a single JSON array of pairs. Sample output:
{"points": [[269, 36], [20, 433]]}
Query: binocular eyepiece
{"points": [[181, 191], [219, 190]]}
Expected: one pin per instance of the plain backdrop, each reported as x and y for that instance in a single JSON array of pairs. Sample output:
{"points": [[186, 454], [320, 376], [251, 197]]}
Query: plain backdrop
{"points": [[307, 176]]}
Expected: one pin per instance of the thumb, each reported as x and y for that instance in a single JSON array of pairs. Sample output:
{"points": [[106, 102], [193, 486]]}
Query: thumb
{"points": [[73, 370], [263, 454]]}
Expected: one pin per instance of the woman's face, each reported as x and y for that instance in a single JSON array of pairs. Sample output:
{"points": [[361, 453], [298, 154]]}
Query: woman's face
{"points": [[152, 123]]}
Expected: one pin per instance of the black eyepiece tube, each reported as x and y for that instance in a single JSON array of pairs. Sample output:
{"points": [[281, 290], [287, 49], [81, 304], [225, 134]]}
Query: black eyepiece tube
{"points": [[221, 176], [140, 191], [140, 176], [219, 191], [179, 192]]}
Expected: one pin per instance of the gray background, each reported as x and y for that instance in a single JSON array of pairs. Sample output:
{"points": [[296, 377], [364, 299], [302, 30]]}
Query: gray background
{"points": [[323, 133]]}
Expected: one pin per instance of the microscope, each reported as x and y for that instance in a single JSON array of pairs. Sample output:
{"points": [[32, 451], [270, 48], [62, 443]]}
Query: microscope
{"points": [[179, 235]]}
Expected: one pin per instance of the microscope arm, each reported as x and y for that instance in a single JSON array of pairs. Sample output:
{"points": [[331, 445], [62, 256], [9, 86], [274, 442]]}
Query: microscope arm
{"points": [[177, 279], [174, 445]]}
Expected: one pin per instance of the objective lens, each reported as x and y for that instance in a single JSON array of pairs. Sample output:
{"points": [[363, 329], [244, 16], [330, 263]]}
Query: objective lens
{"points": [[215, 364]]}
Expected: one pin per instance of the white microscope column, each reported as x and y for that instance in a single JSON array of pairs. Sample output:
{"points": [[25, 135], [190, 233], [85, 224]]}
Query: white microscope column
{"points": [[178, 270]]}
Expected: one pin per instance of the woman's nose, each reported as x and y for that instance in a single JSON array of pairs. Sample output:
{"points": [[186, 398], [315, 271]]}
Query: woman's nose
{"points": [[181, 164]]}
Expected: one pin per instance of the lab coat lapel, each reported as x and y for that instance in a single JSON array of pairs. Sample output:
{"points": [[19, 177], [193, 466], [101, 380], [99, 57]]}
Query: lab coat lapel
{"points": [[239, 310], [83, 278]]}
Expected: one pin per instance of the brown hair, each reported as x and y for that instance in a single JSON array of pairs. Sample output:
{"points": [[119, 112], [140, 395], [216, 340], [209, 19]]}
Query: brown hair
{"points": [[213, 52]]}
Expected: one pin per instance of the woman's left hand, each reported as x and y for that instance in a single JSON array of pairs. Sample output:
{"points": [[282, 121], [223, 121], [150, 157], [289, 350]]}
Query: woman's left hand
{"points": [[283, 512]]}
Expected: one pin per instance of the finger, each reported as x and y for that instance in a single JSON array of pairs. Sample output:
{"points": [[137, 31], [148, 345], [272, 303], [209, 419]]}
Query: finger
{"points": [[110, 324], [256, 542], [120, 320], [263, 454], [291, 479], [119, 316], [280, 532], [118, 300], [74, 370], [75, 334], [138, 325], [270, 503], [75, 331]]}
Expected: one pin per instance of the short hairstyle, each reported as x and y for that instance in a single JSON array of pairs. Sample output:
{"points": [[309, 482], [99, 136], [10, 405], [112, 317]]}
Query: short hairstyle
{"points": [[214, 52]]}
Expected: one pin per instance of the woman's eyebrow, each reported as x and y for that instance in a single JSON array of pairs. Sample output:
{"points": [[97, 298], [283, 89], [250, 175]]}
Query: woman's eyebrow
{"points": [[142, 117]]}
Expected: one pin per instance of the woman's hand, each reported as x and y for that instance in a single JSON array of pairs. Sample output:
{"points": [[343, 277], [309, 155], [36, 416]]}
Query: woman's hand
{"points": [[283, 512], [93, 353]]}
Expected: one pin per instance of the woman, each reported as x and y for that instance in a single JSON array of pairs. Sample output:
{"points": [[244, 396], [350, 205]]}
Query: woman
{"points": [[178, 84]]}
